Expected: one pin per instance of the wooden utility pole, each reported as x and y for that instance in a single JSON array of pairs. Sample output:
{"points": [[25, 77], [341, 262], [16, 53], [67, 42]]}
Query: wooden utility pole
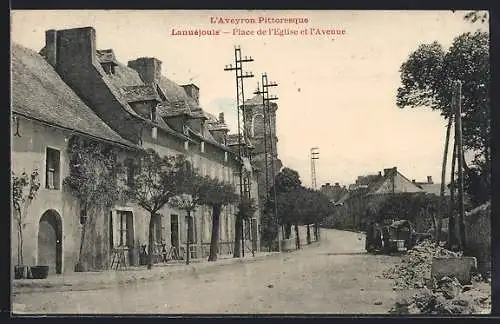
{"points": [[460, 149]]}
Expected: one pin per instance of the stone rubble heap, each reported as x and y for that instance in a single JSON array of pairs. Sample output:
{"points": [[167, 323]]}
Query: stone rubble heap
{"points": [[435, 296], [415, 268]]}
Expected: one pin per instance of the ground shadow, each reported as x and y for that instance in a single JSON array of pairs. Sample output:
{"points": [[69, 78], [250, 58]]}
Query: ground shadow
{"points": [[344, 253]]}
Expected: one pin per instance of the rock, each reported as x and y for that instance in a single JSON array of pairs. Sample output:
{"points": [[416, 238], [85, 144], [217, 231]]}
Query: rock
{"points": [[467, 288], [450, 288]]}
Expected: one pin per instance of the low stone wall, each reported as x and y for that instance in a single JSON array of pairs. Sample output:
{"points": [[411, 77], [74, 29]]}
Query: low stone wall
{"points": [[478, 236]]}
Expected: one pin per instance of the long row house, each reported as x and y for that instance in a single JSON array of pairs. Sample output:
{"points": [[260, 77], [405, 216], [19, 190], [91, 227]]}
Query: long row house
{"points": [[70, 88]]}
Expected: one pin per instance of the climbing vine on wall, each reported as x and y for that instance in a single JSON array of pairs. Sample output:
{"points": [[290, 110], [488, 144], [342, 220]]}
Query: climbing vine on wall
{"points": [[94, 178]]}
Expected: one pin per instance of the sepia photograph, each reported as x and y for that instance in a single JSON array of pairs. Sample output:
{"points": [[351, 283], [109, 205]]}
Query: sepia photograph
{"points": [[238, 162]]}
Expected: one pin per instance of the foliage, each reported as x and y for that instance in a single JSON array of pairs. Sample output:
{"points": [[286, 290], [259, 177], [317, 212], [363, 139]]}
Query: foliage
{"points": [[475, 16], [94, 172], [152, 181], [215, 192], [152, 184], [24, 189], [246, 208], [412, 207], [427, 78], [287, 180], [19, 185]]}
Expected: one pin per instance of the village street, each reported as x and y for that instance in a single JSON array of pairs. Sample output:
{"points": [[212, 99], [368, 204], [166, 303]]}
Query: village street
{"points": [[337, 277]]}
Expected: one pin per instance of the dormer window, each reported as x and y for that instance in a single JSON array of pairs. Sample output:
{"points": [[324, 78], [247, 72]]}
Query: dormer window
{"points": [[153, 114], [109, 68]]}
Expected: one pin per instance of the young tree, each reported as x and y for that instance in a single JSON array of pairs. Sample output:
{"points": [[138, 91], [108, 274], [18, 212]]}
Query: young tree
{"points": [[24, 190], [216, 194], [93, 180], [152, 185], [189, 195], [286, 180], [427, 78]]}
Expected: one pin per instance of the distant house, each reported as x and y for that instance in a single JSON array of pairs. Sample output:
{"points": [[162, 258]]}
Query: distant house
{"points": [[368, 192], [333, 192], [432, 188]]}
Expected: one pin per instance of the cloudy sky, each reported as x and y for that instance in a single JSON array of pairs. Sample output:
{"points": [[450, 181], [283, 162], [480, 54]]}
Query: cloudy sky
{"points": [[335, 92]]}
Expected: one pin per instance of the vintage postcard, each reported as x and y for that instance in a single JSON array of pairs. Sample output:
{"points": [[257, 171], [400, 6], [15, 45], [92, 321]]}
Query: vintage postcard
{"points": [[250, 162]]}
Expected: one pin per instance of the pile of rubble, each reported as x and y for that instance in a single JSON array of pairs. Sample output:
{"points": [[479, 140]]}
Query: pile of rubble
{"points": [[415, 268], [448, 297], [435, 296]]}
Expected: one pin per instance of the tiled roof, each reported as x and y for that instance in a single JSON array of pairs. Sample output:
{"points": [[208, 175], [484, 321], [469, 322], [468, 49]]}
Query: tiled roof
{"points": [[140, 93], [433, 188], [39, 92]]}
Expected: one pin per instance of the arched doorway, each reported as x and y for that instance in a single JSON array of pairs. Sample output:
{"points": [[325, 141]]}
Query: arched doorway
{"points": [[50, 241]]}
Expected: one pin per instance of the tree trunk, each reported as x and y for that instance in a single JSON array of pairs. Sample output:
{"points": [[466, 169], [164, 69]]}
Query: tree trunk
{"points": [[451, 220], [214, 240], [288, 231], [20, 257], [308, 234], [443, 179], [297, 237], [237, 237], [189, 237], [151, 240]]}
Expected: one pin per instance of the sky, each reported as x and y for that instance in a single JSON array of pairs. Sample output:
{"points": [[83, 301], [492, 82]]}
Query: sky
{"points": [[335, 92]]}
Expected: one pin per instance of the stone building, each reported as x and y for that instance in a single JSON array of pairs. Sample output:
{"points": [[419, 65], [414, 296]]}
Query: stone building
{"points": [[137, 107], [45, 114], [261, 139]]}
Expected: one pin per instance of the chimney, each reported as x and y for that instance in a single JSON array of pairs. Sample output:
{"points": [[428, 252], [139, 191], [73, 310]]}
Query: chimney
{"points": [[70, 49], [327, 184], [429, 180], [413, 181], [193, 91], [149, 68], [51, 46], [337, 184], [380, 173], [221, 118]]}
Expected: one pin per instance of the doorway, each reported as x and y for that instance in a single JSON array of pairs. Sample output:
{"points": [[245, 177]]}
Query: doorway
{"points": [[50, 241]]}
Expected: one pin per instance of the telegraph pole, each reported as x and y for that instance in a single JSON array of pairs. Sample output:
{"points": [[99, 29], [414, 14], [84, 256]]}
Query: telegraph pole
{"points": [[314, 157], [243, 152], [460, 161], [268, 130]]}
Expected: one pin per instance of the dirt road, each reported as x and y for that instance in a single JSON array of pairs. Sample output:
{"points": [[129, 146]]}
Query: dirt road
{"points": [[336, 277]]}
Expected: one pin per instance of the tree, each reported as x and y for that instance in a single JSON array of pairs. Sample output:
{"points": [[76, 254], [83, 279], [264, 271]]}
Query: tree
{"points": [[318, 209], [152, 184], [246, 209], [475, 16], [427, 79], [216, 194], [24, 189], [189, 195], [93, 180], [286, 180]]}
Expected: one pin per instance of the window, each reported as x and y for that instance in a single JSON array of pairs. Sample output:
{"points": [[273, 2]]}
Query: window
{"points": [[186, 145], [53, 172], [247, 230], [202, 147], [154, 132], [123, 229], [130, 172], [225, 157]]}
